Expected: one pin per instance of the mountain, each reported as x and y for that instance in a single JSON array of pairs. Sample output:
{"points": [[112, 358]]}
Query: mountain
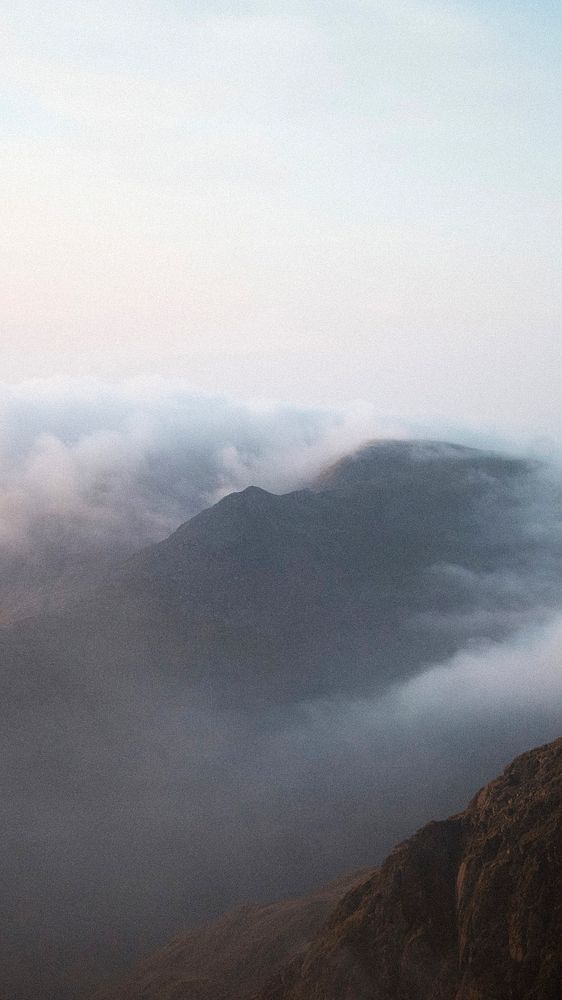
{"points": [[467, 909], [396, 557], [386, 563], [175, 721]]}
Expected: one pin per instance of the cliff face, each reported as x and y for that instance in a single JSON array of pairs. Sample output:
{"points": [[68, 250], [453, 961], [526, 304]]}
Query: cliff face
{"points": [[467, 909]]}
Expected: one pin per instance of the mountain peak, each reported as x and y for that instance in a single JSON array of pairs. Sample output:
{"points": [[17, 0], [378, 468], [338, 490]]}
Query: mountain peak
{"points": [[251, 494]]}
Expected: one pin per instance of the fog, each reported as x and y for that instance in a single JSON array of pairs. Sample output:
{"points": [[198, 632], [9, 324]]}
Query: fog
{"points": [[90, 464], [123, 827]]}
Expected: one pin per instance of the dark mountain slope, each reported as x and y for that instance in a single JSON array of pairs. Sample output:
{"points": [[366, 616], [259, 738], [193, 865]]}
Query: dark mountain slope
{"points": [[468, 909]]}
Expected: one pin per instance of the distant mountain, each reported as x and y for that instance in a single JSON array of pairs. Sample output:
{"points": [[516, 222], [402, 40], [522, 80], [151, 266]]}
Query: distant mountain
{"points": [[397, 557], [394, 558], [466, 909]]}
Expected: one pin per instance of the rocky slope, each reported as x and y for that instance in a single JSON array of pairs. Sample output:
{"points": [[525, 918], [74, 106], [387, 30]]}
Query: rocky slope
{"points": [[468, 909]]}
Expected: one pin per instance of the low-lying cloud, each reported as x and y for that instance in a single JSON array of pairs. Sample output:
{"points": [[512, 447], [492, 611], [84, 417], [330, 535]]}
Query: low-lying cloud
{"points": [[124, 463], [130, 461], [90, 471]]}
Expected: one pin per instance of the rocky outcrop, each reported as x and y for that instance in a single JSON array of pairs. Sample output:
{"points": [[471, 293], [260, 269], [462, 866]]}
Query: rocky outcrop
{"points": [[467, 909]]}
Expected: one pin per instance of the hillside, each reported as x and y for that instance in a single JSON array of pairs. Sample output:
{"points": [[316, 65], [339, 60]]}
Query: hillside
{"points": [[469, 908]]}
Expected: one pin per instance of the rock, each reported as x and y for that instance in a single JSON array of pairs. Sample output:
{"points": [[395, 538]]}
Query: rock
{"points": [[467, 909]]}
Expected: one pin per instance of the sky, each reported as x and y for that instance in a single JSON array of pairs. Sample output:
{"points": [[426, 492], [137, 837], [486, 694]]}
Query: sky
{"points": [[315, 202]]}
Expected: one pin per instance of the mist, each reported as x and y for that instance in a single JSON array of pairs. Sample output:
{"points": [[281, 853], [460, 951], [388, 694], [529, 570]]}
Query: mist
{"points": [[156, 810]]}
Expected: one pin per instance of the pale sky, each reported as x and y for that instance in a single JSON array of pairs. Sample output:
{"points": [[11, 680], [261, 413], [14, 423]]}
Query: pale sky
{"points": [[310, 201]]}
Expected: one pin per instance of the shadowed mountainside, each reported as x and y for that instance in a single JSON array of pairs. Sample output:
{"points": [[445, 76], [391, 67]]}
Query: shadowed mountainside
{"points": [[467, 909]]}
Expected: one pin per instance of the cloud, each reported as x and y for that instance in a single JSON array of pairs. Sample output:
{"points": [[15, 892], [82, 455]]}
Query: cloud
{"points": [[367, 772], [131, 461], [91, 471], [523, 674], [508, 680]]}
